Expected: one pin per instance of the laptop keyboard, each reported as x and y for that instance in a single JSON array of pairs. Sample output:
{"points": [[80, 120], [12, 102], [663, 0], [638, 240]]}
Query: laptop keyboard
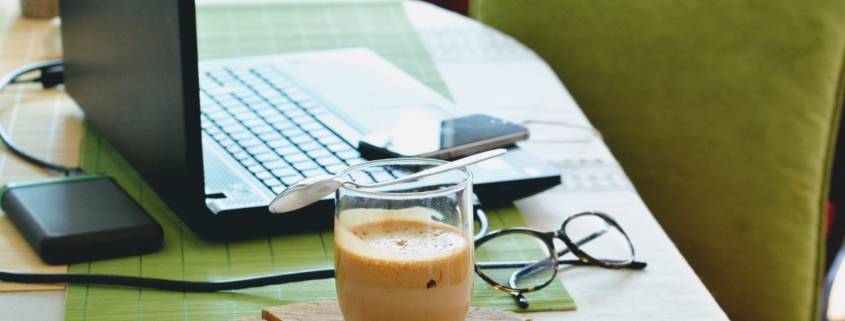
{"points": [[273, 128]]}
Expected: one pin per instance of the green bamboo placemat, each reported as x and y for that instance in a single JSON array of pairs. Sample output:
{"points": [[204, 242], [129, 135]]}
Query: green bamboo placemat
{"points": [[380, 26]]}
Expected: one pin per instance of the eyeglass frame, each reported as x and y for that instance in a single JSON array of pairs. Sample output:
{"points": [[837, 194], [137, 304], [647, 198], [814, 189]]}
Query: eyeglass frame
{"points": [[548, 239]]}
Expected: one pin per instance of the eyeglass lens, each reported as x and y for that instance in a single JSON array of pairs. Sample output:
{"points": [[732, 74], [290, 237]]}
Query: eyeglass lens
{"points": [[519, 261], [596, 237]]}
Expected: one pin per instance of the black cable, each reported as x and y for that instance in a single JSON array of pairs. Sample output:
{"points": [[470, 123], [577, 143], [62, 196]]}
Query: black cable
{"points": [[51, 74], [165, 284]]}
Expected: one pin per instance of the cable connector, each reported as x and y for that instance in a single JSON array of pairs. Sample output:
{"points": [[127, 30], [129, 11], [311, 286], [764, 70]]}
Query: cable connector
{"points": [[52, 76]]}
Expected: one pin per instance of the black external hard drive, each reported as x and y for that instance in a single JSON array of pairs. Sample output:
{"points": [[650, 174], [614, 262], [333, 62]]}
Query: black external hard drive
{"points": [[80, 218]]}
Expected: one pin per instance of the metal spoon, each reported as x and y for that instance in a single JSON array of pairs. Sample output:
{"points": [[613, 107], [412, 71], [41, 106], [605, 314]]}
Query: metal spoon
{"points": [[312, 189]]}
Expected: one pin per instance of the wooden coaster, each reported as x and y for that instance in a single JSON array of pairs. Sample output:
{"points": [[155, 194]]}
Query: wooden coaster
{"points": [[330, 311]]}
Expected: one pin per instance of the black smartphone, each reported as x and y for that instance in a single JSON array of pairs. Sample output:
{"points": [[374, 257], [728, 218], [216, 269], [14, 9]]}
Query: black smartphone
{"points": [[443, 139]]}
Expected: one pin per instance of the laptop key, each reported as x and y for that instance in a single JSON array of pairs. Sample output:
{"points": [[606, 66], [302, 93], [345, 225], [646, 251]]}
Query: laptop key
{"points": [[348, 154], [329, 160], [249, 162], [284, 171], [266, 157], [382, 176], [271, 136], [241, 155], [334, 169], [288, 150], [272, 182], [302, 166], [250, 142], [339, 147], [241, 136], [258, 149], [302, 139], [262, 129], [360, 177], [290, 180], [355, 161], [279, 143], [313, 172], [330, 140], [295, 158], [318, 153], [310, 146], [233, 149], [256, 168], [322, 132], [276, 164], [278, 189], [253, 123]]}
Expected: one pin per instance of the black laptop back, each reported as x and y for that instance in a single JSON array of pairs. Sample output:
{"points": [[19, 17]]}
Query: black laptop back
{"points": [[131, 65]]}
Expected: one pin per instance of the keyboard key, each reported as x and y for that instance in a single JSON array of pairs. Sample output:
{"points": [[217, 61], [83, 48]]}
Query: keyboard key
{"points": [[310, 146], [302, 139], [313, 172], [339, 148], [322, 132], [234, 149], [267, 157], [310, 127], [330, 140], [302, 166], [218, 136], [361, 177], [262, 129], [355, 161], [250, 142], [296, 158], [329, 160], [290, 180], [271, 136], [249, 162], [234, 128], [293, 132], [256, 168], [272, 182], [266, 113], [334, 169], [253, 123], [240, 155], [285, 171], [318, 153], [258, 149], [300, 116], [226, 142], [382, 176], [242, 136], [288, 150], [279, 143], [263, 175], [348, 154], [278, 189], [276, 164]]}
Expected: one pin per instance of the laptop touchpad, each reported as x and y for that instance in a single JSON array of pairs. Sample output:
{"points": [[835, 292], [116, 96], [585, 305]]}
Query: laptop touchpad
{"points": [[364, 90]]}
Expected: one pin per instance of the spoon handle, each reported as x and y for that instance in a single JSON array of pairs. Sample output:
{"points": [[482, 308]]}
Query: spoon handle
{"points": [[463, 162]]}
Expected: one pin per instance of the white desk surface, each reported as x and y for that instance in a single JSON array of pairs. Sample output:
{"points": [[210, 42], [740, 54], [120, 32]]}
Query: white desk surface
{"points": [[486, 72]]}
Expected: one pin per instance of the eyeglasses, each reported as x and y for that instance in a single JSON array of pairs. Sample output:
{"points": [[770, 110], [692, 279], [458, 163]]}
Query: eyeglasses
{"points": [[522, 260]]}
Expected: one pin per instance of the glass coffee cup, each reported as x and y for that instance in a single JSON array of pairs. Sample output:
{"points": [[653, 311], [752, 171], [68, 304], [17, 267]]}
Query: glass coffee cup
{"points": [[404, 252]]}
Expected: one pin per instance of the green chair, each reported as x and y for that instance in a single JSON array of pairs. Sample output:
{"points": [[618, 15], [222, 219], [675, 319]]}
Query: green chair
{"points": [[723, 113]]}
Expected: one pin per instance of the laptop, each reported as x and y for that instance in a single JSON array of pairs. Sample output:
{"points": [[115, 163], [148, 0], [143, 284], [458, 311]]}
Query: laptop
{"points": [[217, 140]]}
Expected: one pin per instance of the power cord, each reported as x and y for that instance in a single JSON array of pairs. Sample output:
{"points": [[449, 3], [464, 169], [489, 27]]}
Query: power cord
{"points": [[50, 74]]}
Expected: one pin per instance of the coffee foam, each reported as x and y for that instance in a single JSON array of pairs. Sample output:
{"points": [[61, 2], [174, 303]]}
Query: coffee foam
{"points": [[398, 235], [409, 237]]}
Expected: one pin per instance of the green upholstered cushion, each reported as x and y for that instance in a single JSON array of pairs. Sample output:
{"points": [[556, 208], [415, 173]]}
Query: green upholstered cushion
{"points": [[723, 114]]}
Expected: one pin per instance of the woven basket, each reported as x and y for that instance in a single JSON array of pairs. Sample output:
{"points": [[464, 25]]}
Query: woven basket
{"points": [[42, 9]]}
